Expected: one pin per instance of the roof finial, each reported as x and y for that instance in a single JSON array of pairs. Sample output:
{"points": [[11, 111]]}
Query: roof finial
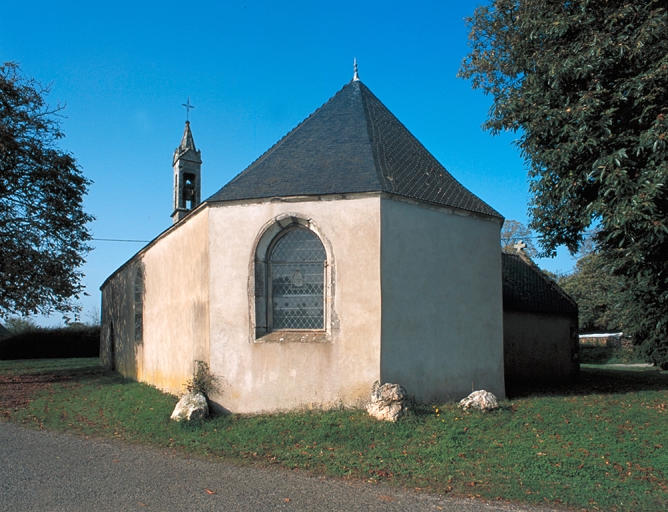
{"points": [[188, 107], [519, 246], [355, 75]]}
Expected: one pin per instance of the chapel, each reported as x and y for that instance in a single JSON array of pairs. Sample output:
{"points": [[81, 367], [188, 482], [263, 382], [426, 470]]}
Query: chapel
{"points": [[345, 254]]}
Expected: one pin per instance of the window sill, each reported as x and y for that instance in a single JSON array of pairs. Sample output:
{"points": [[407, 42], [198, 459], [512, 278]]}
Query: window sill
{"points": [[294, 337]]}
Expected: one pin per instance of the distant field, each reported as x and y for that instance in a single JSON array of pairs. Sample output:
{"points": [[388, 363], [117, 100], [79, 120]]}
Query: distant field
{"points": [[599, 444], [34, 366]]}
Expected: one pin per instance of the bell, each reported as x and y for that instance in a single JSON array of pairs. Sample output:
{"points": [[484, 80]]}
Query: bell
{"points": [[189, 191]]}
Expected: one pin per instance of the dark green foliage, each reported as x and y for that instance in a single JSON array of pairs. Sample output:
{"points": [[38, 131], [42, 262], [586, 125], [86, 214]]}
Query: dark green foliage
{"points": [[17, 325], [43, 231], [584, 84], [598, 294], [82, 341], [596, 354]]}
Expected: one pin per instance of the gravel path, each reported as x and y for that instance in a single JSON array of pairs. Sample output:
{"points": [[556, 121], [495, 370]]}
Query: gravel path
{"points": [[47, 471]]}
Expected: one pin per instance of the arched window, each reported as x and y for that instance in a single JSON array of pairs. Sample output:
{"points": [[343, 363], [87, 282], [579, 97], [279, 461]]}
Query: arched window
{"points": [[139, 304], [296, 278]]}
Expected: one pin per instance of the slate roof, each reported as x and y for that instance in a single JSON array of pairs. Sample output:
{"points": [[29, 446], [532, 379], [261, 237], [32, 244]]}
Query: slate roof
{"points": [[187, 141], [352, 143], [527, 288]]}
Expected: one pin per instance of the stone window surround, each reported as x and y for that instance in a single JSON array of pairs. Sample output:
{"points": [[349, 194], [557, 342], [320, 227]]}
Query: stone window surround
{"points": [[259, 331]]}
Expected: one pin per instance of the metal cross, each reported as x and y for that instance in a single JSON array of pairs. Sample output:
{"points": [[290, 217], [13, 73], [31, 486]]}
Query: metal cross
{"points": [[188, 107], [519, 246]]}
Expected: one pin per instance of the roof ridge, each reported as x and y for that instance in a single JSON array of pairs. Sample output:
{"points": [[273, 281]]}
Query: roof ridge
{"points": [[382, 179], [280, 141]]}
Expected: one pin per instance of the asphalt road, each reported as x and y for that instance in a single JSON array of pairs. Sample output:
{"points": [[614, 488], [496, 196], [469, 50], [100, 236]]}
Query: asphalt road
{"points": [[46, 471]]}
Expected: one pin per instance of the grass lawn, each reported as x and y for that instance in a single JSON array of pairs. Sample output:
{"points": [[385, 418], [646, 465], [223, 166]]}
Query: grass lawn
{"points": [[42, 366], [596, 354], [599, 444]]}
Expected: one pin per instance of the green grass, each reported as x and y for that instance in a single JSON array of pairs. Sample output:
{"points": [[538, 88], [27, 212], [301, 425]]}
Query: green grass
{"points": [[596, 354], [38, 366], [599, 444]]}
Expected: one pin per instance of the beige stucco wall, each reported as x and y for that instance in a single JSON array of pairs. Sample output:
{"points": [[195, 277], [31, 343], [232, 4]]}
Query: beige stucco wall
{"points": [[436, 310], [442, 301], [175, 311], [266, 374], [118, 348], [539, 346]]}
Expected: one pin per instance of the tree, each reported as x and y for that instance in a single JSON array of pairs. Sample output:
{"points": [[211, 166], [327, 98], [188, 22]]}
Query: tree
{"points": [[18, 325], [598, 293], [584, 84], [43, 231], [514, 232]]}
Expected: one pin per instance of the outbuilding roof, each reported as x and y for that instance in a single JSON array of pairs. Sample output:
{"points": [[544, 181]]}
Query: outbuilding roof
{"points": [[351, 144], [527, 288]]}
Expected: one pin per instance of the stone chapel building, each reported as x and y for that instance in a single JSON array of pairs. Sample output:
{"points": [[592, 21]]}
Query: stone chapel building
{"points": [[343, 255]]}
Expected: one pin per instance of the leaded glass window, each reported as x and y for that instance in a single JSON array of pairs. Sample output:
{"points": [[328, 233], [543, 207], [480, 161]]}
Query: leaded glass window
{"points": [[297, 277]]}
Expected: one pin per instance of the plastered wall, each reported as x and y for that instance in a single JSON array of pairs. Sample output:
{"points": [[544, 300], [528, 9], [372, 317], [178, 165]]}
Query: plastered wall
{"points": [[175, 308], [539, 346], [118, 348], [432, 322], [284, 371], [441, 301]]}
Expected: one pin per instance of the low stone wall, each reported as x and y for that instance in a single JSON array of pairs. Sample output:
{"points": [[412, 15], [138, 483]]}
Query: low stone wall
{"points": [[607, 339]]}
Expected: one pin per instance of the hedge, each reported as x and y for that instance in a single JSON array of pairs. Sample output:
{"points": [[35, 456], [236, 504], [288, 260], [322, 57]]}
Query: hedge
{"points": [[52, 343]]}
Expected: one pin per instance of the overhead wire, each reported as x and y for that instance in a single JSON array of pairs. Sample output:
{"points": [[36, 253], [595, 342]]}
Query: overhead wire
{"points": [[119, 240]]}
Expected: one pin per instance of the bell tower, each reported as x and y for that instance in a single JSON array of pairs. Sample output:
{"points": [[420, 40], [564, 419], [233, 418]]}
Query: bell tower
{"points": [[187, 165]]}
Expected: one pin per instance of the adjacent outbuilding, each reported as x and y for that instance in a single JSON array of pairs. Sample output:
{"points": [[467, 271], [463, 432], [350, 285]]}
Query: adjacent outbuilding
{"points": [[540, 324]]}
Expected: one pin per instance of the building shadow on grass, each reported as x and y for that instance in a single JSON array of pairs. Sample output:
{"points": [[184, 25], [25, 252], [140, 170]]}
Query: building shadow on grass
{"points": [[602, 379]]}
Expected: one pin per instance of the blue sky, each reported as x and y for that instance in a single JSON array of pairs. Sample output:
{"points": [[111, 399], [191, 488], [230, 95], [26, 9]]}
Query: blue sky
{"points": [[253, 70]]}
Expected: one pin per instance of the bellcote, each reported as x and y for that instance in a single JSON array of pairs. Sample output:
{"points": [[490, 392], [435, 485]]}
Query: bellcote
{"points": [[187, 164]]}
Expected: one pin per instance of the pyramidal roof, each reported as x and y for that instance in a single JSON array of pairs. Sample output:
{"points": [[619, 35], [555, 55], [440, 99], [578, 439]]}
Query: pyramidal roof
{"points": [[187, 145], [352, 143], [187, 141]]}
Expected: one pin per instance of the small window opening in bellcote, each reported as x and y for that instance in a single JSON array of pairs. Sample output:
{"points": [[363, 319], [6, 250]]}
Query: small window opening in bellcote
{"points": [[189, 191]]}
